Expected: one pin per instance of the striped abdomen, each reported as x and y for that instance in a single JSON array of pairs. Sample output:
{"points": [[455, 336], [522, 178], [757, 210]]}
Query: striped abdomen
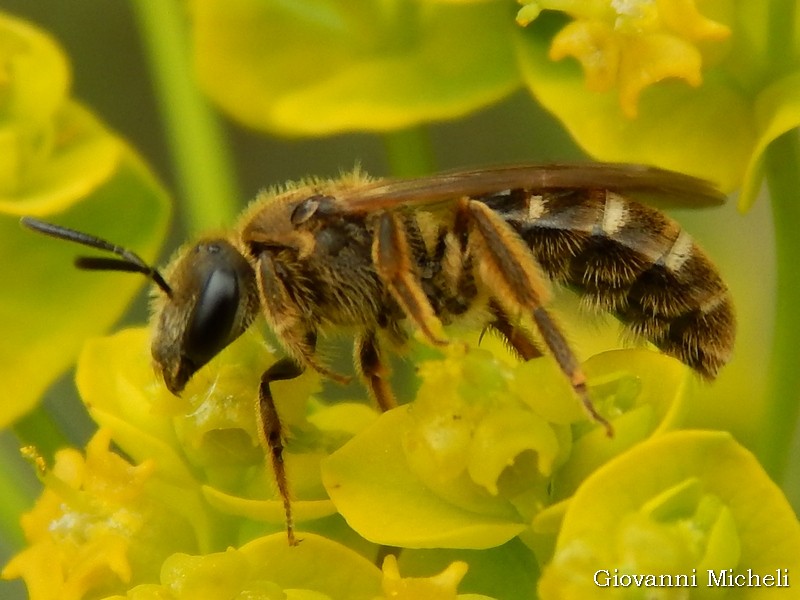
{"points": [[633, 261]]}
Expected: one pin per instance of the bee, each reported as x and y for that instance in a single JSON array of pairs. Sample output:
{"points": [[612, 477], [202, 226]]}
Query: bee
{"points": [[386, 256]]}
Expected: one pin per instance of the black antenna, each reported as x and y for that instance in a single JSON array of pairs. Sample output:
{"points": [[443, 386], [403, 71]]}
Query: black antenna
{"points": [[128, 261]]}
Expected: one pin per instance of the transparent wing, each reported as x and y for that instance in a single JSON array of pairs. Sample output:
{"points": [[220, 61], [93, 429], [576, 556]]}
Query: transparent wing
{"points": [[658, 187]]}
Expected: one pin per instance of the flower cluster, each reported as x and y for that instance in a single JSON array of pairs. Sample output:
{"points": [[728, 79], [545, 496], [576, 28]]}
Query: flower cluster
{"points": [[490, 458]]}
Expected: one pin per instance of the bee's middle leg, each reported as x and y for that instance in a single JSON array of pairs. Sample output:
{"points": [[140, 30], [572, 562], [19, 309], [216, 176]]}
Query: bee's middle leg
{"points": [[392, 258], [373, 370], [375, 374]]}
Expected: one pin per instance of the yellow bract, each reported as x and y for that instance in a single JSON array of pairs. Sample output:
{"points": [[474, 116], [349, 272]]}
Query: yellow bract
{"points": [[486, 447], [58, 162], [385, 65], [682, 503]]}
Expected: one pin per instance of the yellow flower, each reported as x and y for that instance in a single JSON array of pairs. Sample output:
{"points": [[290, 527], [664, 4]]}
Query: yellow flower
{"points": [[631, 44], [96, 523], [438, 587]]}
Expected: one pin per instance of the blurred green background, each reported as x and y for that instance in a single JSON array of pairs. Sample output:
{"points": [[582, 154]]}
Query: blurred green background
{"points": [[111, 77]]}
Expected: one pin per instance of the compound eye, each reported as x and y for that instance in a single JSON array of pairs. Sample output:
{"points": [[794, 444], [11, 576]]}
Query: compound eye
{"points": [[211, 322]]}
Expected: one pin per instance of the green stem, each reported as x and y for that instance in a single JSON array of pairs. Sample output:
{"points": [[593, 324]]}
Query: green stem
{"points": [[409, 152], [782, 169], [780, 35], [204, 165]]}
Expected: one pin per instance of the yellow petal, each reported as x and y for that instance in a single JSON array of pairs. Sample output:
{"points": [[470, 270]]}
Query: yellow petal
{"points": [[683, 17]]}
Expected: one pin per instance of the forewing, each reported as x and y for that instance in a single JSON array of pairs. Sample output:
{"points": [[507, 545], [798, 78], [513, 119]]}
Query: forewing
{"points": [[658, 187]]}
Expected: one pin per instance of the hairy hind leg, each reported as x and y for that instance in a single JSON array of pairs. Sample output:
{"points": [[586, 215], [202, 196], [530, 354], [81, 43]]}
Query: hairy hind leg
{"points": [[519, 339], [509, 269]]}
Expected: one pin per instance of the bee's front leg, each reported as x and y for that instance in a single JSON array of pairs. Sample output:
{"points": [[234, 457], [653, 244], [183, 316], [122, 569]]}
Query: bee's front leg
{"points": [[297, 335], [271, 433]]}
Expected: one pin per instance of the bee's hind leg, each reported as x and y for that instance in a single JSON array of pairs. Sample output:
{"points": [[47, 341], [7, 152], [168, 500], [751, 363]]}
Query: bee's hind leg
{"points": [[516, 336], [509, 269]]}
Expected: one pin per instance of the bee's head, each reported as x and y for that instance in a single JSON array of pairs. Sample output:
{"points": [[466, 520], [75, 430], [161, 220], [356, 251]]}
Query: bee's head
{"points": [[211, 301], [206, 301]]}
